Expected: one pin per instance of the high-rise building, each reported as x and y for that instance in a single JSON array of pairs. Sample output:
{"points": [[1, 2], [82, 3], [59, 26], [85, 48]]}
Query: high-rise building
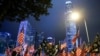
{"points": [[4, 40], [71, 28], [38, 39], [25, 33]]}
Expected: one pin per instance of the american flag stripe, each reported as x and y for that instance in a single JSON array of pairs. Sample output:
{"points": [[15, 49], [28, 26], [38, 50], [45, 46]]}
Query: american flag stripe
{"points": [[63, 45], [21, 38], [78, 52]]}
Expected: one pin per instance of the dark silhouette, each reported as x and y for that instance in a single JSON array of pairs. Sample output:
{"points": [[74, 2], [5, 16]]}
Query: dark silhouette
{"points": [[14, 53], [18, 10]]}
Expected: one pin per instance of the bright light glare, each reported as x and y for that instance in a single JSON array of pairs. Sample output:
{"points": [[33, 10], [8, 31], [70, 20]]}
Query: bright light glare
{"points": [[74, 16]]}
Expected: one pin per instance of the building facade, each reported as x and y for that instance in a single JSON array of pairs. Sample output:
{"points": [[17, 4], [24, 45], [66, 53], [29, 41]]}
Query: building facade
{"points": [[38, 39], [71, 28], [4, 41], [28, 33]]}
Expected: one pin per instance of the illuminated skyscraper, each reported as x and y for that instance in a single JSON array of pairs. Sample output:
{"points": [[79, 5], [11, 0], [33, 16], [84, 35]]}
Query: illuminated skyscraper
{"points": [[71, 28], [28, 33]]}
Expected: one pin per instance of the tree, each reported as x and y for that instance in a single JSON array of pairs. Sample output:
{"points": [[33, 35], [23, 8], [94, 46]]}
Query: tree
{"points": [[18, 10], [96, 44]]}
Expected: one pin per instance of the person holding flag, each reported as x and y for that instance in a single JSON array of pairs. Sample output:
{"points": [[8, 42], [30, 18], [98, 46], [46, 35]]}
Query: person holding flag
{"points": [[8, 52]]}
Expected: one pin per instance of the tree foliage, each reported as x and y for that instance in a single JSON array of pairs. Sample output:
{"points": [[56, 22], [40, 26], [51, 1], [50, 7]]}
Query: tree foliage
{"points": [[96, 44], [17, 10]]}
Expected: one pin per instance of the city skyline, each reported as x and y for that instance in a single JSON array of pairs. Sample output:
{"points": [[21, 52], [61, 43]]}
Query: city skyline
{"points": [[53, 24]]}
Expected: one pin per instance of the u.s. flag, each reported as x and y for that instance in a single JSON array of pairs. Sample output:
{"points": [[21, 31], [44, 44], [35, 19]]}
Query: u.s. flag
{"points": [[78, 51], [20, 39], [75, 37]]}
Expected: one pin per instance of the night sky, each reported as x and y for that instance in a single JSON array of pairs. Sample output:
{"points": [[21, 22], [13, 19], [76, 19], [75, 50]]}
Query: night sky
{"points": [[54, 25]]}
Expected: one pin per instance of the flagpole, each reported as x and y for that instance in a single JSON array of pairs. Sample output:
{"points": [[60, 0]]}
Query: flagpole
{"points": [[86, 31]]}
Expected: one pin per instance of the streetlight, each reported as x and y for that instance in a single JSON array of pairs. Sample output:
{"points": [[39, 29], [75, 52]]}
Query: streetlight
{"points": [[75, 16]]}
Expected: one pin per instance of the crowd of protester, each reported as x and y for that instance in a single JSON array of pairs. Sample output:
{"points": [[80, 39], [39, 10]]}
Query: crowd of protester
{"points": [[18, 51], [48, 49], [31, 51]]}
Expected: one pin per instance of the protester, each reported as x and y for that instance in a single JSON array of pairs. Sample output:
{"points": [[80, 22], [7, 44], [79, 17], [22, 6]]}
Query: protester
{"points": [[8, 52]]}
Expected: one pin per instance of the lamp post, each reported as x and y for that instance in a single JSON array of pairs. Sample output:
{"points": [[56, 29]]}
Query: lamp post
{"points": [[86, 31]]}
